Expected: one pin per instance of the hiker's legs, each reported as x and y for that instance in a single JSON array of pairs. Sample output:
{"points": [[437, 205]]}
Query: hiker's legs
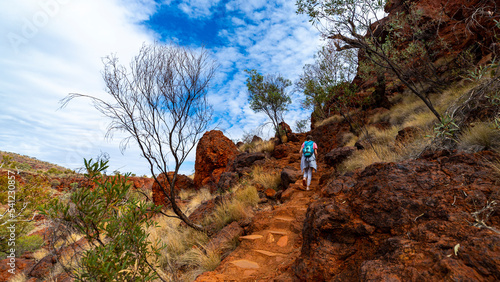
{"points": [[309, 172]]}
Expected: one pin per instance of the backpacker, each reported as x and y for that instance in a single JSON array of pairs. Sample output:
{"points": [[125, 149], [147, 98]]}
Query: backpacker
{"points": [[308, 149]]}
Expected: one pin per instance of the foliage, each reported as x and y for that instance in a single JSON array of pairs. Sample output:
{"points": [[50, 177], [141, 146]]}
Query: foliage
{"points": [[20, 209], [446, 128], [268, 94], [408, 51], [301, 126], [160, 102], [323, 83], [113, 225]]}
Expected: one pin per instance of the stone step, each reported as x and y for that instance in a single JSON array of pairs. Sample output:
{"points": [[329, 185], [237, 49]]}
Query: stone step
{"points": [[243, 263], [251, 237], [284, 218], [278, 232], [269, 254]]}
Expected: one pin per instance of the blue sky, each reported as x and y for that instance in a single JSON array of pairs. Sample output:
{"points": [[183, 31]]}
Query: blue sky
{"points": [[50, 48]]}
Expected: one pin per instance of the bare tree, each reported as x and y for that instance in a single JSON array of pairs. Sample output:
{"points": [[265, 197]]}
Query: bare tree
{"points": [[160, 101], [405, 45]]}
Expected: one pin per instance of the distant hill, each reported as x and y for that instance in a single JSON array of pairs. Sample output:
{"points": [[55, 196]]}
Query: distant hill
{"points": [[30, 164]]}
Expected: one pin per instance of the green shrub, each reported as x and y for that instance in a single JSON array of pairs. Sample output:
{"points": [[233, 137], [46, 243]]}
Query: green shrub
{"points": [[113, 224], [28, 244]]}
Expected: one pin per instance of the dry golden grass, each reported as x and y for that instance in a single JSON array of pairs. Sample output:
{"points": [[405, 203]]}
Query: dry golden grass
{"points": [[495, 165], [197, 197], [364, 158], [247, 195], [21, 277], [387, 152], [379, 136], [349, 139], [266, 178], [332, 119], [258, 147], [480, 134], [201, 258]]}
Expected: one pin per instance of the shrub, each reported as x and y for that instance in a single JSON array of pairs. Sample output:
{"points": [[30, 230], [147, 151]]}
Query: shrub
{"points": [[113, 224], [28, 244], [54, 183]]}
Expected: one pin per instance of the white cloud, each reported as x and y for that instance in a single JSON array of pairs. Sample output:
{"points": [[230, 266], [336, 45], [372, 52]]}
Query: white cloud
{"points": [[54, 47], [198, 8]]}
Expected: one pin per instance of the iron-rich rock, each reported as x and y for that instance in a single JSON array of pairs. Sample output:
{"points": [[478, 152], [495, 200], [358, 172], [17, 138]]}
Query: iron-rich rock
{"points": [[213, 153], [404, 221], [227, 180], [244, 161], [182, 182], [289, 176], [338, 155]]}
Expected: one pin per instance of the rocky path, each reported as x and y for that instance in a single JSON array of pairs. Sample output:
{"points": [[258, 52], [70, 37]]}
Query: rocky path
{"points": [[273, 243]]}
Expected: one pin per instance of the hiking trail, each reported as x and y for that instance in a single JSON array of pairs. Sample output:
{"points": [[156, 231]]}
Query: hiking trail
{"points": [[274, 242]]}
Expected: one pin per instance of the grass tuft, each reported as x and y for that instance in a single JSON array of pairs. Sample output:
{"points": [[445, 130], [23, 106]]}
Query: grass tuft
{"points": [[258, 147], [332, 119], [266, 178], [481, 134]]}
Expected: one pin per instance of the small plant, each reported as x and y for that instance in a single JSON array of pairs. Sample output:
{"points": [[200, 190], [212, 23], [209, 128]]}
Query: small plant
{"points": [[113, 224], [446, 128], [494, 99], [55, 183]]}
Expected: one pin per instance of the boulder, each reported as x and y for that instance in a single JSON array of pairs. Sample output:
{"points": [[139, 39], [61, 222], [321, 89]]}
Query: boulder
{"points": [[270, 193], [141, 182], [338, 155], [280, 151], [227, 180], [213, 153], [222, 240], [289, 176], [244, 161], [404, 221], [182, 182]]}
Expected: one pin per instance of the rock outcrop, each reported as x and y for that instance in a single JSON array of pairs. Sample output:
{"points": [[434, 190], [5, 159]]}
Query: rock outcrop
{"points": [[182, 182], [420, 220], [213, 153]]}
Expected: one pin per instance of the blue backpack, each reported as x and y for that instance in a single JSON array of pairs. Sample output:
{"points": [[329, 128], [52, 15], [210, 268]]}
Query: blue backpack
{"points": [[308, 149]]}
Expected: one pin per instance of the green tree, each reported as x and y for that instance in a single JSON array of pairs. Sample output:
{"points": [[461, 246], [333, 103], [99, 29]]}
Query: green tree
{"points": [[268, 94], [323, 83], [111, 222], [160, 101], [405, 46]]}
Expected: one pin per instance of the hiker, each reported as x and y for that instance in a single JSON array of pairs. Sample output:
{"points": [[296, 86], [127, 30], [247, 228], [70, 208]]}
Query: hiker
{"points": [[308, 152]]}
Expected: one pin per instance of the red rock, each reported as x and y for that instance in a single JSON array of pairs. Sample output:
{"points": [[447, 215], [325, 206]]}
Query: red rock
{"points": [[338, 155], [182, 182], [213, 153], [20, 266], [280, 151], [270, 193], [141, 182], [289, 176], [223, 238], [242, 162], [407, 135], [401, 221]]}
